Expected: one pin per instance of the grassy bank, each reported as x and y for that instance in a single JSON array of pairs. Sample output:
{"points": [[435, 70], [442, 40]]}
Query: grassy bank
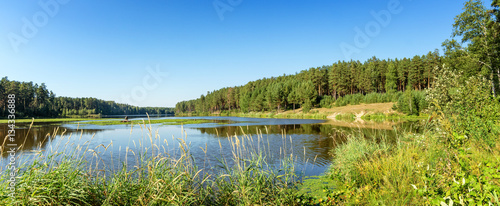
{"points": [[419, 169], [312, 115], [284, 115], [368, 112], [76, 175], [380, 117]]}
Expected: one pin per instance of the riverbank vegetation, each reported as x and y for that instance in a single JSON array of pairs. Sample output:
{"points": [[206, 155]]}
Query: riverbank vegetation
{"points": [[295, 115], [455, 161], [367, 112]]}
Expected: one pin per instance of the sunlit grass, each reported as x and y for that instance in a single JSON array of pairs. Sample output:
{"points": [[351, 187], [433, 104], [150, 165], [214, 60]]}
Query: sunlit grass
{"points": [[72, 173], [418, 169]]}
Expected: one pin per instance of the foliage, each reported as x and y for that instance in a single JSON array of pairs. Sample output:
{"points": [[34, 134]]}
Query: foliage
{"points": [[351, 82], [306, 106], [418, 169], [466, 108], [412, 102], [326, 102], [480, 28], [457, 159], [33, 100], [355, 150]]}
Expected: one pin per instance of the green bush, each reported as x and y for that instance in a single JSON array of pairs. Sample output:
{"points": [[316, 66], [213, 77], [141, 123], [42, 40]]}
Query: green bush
{"points": [[326, 101], [412, 102], [354, 99], [466, 107], [306, 107], [340, 102], [372, 98]]}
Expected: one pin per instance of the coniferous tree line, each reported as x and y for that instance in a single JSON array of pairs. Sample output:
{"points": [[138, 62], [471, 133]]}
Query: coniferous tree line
{"points": [[33, 100], [476, 54], [321, 86]]}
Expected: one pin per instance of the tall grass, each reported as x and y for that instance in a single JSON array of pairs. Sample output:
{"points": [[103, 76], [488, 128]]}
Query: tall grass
{"points": [[76, 174], [418, 169]]}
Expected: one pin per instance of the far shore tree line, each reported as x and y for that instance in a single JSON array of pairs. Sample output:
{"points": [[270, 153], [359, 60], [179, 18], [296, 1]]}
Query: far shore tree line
{"points": [[321, 86], [33, 100], [385, 80], [341, 83]]}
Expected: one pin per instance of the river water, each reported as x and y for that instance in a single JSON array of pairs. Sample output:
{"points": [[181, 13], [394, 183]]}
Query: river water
{"points": [[307, 142]]}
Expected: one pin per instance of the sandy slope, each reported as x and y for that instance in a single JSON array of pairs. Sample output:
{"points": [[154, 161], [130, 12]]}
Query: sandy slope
{"points": [[358, 110]]}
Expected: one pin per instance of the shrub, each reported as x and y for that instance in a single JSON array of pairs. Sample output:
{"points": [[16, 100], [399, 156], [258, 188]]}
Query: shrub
{"points": [[467, 109], [306, 107], [326, 101], [412, 102], [340, 102], [372, 98]]}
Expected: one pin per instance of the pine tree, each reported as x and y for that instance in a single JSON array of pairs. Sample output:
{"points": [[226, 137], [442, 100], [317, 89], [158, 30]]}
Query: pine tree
{"points": [[391, 77]]}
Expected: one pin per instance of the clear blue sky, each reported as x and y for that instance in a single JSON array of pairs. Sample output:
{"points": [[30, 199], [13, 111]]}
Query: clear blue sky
{"points": [[102, 49]]}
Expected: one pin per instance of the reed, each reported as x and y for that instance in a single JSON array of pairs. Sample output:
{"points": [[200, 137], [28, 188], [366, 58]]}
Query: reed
{"points": [[71, 172]]}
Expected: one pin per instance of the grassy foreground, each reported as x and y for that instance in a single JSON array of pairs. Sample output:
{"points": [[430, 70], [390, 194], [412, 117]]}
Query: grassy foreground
{"points": [[419, 169], [71, 174]]}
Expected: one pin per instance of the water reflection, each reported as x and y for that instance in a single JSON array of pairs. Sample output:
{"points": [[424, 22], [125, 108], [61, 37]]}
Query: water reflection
{"points": [[39, 135], [310, 141]]}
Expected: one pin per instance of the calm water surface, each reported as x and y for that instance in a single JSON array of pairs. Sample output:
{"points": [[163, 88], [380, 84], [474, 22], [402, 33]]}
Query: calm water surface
{"points": [[308, 141]]}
